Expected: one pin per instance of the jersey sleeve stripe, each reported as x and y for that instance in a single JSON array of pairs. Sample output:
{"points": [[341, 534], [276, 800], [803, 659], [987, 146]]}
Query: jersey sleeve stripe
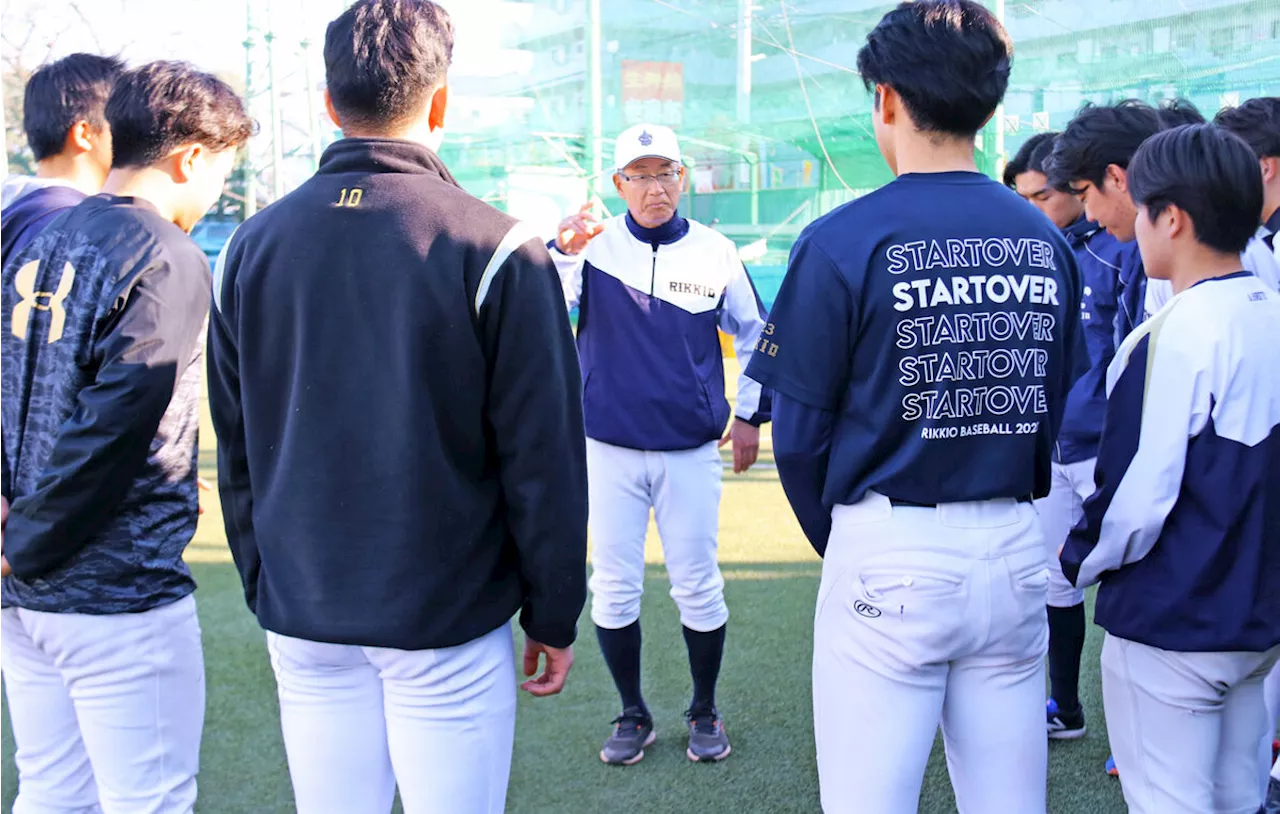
{"points": [[516, 237]]}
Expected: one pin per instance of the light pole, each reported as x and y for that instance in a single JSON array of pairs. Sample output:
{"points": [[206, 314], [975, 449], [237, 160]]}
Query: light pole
{"points": [[595, 127], [250, 175], [999, 135]]}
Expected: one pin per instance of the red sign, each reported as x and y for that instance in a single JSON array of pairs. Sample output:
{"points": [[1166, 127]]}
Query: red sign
{"points": [[653, 92]]}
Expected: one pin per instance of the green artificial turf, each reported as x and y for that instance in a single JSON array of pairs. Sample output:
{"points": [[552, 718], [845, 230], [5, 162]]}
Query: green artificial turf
{"points": [[771, 580]]}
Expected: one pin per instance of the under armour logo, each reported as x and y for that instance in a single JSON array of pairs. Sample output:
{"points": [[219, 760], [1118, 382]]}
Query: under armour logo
{"points": [[645, 139], [25, 282]]}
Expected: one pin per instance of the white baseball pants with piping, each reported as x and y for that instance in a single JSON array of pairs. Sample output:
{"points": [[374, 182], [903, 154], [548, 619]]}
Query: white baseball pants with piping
{"points": [[683, 490], [1185, 727], [928, 616]]}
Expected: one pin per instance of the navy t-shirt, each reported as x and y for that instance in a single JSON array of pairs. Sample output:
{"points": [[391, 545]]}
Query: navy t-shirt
{"points": [[935, 318]]}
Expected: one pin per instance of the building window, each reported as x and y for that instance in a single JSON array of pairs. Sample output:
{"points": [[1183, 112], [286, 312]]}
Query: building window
{"points": [[1161, 40], [1220, 42]]}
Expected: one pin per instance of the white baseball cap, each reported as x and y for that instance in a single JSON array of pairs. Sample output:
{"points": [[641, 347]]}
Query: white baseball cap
{"points": [[645, 141]]}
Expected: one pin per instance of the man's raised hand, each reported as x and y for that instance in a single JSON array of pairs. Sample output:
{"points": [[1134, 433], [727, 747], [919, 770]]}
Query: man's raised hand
{"points": [[576, 231]]}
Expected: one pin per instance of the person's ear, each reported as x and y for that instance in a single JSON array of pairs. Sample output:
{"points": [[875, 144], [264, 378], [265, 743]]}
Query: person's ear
{"points": [[439, 102], [1175, 221], [1270, 168], [1119, 178], [617, 184], [79, 138], [187, 161], [328, 106], [887, 104]]}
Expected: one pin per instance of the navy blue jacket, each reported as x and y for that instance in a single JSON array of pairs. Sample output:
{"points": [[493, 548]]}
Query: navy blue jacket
{"points": [[1101, 260], [393, 381], [27, 217]]}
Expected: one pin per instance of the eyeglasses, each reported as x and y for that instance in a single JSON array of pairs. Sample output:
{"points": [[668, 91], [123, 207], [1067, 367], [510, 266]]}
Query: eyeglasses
{"points": [[670, 178]]}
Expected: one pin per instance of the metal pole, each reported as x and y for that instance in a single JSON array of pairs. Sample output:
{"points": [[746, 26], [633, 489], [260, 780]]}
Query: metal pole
{"points": [[250, 173], [273, 90], [313, 127], [744, 61], [595, 131], [999, 145]]}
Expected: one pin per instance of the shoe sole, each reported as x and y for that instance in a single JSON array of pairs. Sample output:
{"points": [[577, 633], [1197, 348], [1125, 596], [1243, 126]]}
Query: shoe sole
{"points": [[653, 736], [1067, 734], [689, 753]]}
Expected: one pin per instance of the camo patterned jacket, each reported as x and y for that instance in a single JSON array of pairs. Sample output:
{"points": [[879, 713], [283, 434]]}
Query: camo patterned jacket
{"points": [[102, 336]]}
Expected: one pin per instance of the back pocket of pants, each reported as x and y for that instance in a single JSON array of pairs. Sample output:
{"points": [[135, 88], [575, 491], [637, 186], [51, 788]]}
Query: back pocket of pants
{"points": [[892, 584]]}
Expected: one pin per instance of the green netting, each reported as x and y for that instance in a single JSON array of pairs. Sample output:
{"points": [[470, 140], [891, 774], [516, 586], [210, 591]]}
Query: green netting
{"points": [[788, 138], [774, 119]]}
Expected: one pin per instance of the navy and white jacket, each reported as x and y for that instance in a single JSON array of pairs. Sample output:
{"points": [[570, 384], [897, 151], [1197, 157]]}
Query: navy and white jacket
{"points": [[649, 303], [1102, 261], [1182, 530]]}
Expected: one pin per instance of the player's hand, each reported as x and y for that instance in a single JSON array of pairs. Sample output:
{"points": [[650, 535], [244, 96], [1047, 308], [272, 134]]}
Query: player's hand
{"points": [[4, 511], [576, 231], [746, 445], [5, 570], [204, 486], [551, 682]]}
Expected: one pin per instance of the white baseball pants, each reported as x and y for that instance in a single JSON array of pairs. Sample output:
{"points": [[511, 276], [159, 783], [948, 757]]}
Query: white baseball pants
{"points": [[928, 616], [1271, 691], [358, 721], [683, 489], [1185, 727], [107, 710], [1059, 512]]}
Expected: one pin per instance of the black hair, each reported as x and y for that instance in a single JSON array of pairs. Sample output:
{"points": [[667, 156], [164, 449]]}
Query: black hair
{"points": [[949, 60], [1099, 136], [1209, 173], [1257, 121], [383, 59], [163, 105], [62, 93], [1179, 111], [1029, 158]]}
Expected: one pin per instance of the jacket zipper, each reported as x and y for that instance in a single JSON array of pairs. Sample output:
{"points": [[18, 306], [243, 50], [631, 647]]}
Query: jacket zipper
{"points": [[653, 272]]}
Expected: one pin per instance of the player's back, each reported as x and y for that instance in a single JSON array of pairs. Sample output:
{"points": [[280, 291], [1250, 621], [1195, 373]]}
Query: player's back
{"points": [[979, 295], [355, 309], [61, 294], [1214, 563]]}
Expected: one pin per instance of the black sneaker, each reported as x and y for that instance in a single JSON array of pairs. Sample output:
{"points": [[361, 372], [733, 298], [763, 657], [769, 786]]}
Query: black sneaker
{"points": [[1063, 726], [632, 732], [707, 740], [1273, 797]]}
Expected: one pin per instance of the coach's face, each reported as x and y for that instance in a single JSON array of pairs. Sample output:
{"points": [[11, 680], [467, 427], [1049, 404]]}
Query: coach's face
{"points": [[1062, 208], [651, 187], [1109, 205]]}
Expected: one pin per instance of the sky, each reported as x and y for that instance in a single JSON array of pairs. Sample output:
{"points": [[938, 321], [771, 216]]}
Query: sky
{"points": [[211, 33]]}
